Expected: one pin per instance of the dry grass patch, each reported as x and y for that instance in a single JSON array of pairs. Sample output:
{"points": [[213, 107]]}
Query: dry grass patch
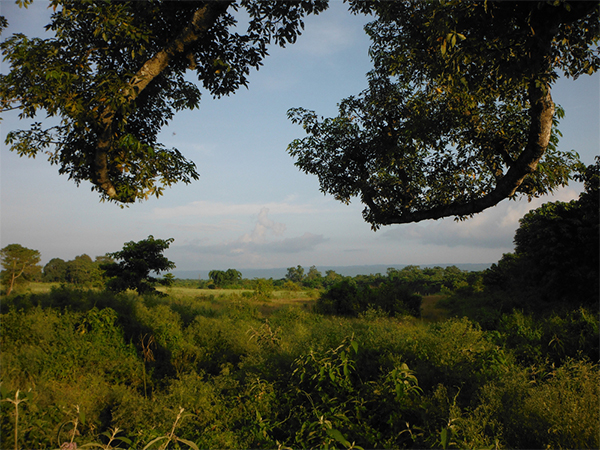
{"points": [[430, 312]]}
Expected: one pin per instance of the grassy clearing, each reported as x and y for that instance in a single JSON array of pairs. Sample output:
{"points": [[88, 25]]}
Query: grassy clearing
{"points": [[430, 311]]}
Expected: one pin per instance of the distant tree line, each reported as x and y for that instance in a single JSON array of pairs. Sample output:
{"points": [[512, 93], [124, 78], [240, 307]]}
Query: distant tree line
{"points": [[80, 271], [555, 263], [129, 268]]}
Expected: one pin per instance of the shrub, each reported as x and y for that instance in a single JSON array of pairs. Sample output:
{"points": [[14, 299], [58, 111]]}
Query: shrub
{"points": [[344, 298], [348, 298]]}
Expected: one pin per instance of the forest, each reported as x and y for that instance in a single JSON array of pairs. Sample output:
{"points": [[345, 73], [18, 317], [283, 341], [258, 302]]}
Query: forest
{"points": [[414, 358]]}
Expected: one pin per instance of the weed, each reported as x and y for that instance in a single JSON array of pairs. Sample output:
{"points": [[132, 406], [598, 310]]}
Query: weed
{"points": [[171, 436], [16, 401]]}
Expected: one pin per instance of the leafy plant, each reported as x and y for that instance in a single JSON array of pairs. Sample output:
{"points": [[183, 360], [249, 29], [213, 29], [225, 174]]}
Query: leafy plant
{"points": [[171, 437], [137, 261]]}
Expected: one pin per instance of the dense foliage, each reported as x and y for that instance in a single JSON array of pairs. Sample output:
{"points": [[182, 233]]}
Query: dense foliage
{"points": [[224, 278], [458, 113], [222, 375], [135, 263], [81, 271], [556, 258], [504, 367], [113, 74]]}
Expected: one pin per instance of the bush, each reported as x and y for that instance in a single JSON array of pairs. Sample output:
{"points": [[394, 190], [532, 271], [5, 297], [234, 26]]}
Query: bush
{"points": [[344, 298], [294, 379], [348, 298]]}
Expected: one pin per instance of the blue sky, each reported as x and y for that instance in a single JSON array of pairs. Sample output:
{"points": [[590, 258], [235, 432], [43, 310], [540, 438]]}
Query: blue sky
{"points": [[252, 208]]}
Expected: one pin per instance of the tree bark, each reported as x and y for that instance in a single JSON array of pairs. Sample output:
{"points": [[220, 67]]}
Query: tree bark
{"points": [[202, 20], [13, 277], [542, 112]]}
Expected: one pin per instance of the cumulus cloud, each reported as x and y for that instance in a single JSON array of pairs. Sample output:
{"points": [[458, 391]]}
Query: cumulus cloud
{"points": [[259, 241], [263, 225]]}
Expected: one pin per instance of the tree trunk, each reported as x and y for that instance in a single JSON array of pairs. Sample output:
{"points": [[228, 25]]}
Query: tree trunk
{"points": [[541, 111], [202, 20]]}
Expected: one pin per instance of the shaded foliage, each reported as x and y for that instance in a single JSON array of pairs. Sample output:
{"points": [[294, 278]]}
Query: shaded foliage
{"points": [[294, 379], [458, 113], [136, 261], [556, 259], [114, 74]]}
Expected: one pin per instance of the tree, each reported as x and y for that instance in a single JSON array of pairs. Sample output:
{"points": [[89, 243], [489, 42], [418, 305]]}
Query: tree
{"points": [[83, 271], [295, 274], [136, 261], [458, 114], [114, 75], [222, 278], [19, 265], [556, 258], [55, 271], [313, 279]]}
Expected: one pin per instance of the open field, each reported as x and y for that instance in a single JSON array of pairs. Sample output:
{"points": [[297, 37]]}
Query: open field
{"points": [[305, 299]]}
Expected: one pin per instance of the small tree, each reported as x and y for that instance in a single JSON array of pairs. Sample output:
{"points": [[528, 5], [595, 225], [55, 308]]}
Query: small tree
{"points": [[135, 262], [19, 263], [222, 278], [263, 289], [295, 274]]}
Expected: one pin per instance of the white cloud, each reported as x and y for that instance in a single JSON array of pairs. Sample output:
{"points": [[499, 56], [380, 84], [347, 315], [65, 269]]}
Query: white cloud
{"points": [[328, 34], [258, 242], [493, 228], [204, 208], [206, 228], [263, 225]]}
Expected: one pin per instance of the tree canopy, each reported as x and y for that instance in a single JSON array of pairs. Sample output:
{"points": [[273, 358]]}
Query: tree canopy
{"points": [[222, 278], [114, 74], [556, 258], [458, 114], [19, 264], [135, 263]]}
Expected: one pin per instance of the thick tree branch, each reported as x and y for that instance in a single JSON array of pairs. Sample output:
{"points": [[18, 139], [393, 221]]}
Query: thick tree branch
{"points": [[541, 113], [202, 20]]}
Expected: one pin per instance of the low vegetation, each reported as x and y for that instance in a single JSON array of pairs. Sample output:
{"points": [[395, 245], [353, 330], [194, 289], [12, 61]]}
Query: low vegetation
{"points": [[199, 370]]}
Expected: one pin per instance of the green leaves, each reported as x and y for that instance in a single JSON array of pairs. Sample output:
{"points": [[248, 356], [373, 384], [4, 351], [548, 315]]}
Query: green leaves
{"points": [[114, 74], [137, 261], [457, 115]]}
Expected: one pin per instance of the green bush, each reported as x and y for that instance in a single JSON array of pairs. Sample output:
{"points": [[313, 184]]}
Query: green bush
{"points": [[348, 298]]}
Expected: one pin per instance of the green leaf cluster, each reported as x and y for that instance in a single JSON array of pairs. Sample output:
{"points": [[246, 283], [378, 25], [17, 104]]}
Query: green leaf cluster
{"points": [[135, 263], [457, 115], [114, 74]]}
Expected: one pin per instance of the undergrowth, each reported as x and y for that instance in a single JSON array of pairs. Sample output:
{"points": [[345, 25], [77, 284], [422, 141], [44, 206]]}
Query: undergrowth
{"points": [[89, 368]]}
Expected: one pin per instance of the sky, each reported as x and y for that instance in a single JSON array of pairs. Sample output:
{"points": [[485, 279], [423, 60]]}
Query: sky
{"points": [[251, 207]]}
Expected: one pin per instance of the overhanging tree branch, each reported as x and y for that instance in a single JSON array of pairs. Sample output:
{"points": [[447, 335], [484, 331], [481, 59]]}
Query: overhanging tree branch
{"points": [[202, 20], [468, 87]]}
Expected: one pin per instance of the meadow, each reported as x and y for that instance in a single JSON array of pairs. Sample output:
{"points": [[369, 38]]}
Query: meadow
{"points": [[195, 368]]}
